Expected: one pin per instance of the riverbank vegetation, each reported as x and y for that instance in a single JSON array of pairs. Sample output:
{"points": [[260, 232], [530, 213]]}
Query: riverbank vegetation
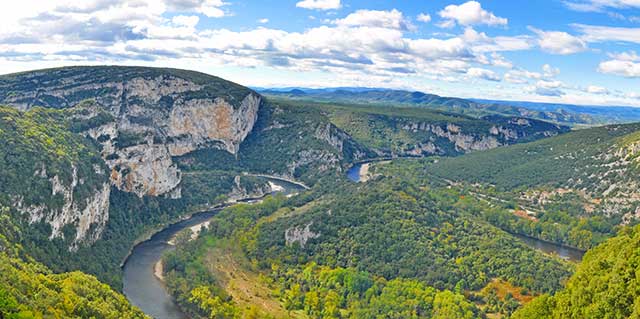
{"points": [[295, 246], [29, 289], [604, 285]]}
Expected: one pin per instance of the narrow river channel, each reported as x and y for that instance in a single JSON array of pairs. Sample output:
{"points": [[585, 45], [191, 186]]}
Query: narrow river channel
{"points": [[360, 170], [142, 287], [147, 292]]}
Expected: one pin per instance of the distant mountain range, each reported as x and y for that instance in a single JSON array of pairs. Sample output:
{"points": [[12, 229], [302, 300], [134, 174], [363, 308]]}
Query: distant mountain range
{"points": [[607, 114], [574, 115]]}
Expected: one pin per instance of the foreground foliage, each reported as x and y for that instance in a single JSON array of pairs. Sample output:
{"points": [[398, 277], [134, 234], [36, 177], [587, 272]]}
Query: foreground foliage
{"points": [[604, 285], [30, 290]]}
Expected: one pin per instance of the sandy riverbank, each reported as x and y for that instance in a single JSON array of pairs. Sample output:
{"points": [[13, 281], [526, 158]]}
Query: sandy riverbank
{"points": [[158, 270], [364, 172]]}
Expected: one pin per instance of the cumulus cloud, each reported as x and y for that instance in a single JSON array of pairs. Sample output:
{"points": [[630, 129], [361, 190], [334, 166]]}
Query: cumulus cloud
{"points": [[263, 20], [623, 68], [469, 13], [548, 92], [520, 76], [548, 88], [426, 18], [393, 19], [626, 64], [483, 74], [319, 4], [549, 71], [594, 89], [185, 21], [558, 42]]}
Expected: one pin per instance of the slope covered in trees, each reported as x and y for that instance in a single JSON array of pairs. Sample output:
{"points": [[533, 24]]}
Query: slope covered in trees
{"points": [[416, 132], [398, 98], [605, 284], [29, 289], [396, 237], [576, 189]]}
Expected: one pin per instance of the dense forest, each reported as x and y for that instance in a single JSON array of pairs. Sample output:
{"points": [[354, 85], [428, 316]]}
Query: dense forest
{"points": [[29, 289], [378, 232], [603, 286]]}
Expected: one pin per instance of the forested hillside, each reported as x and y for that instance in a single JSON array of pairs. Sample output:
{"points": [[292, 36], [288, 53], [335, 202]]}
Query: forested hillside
{"points": [[28, 289], [604, 285], [417, 132], [164, 143], [398, 98], [369, 238], [577, 188], [111, 159]]}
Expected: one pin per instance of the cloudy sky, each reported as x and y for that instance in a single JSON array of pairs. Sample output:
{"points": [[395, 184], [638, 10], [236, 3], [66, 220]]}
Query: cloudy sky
{"points": [[571, 51]]}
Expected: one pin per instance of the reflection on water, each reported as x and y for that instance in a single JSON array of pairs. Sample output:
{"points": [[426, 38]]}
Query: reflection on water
{"points": [[564, 252], [141, 286]]}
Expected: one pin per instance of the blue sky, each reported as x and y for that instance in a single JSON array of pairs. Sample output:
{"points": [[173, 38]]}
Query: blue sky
{"points": [[567, 51]]}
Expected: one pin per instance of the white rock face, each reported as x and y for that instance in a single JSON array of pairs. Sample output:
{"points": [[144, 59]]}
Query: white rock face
{"points": [[198, 122], [145, 170], [172, 115], [93, 211], [146, 117], [300, 235]]}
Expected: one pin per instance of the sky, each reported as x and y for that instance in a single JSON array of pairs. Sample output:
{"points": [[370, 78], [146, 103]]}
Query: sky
{"points": [[559, 51]]}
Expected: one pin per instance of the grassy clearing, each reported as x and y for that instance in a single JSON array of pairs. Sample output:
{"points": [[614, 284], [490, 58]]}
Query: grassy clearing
{"points": [[248, 288]]}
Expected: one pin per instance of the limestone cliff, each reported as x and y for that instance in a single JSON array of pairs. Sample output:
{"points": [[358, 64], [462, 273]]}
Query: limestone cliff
{"points": [[156, 114]]}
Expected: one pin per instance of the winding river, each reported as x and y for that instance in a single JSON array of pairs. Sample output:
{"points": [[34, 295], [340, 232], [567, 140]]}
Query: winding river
{"points": [[359, 173], [147, 292], [142, 287]]}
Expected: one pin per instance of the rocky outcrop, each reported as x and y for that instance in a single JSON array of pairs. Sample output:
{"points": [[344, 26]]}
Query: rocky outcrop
{"points": [[300, 235], [156, 114], [196, 123], [252, 190], [88, 215], [454, 134], [145, 169]]}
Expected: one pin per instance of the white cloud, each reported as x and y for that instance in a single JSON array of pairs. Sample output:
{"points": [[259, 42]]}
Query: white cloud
{"points": [[393, 19], [623, 68], [558, 42], [594, 89], [185, 21], [319, 4], [426, 18], [212, 8], [483, 74], [594, 33], [469, 13], [550, 84], [626, 56], [500, 61], [600, 5], [263, 20], [549, 71], [521, 76], [626, 64]]}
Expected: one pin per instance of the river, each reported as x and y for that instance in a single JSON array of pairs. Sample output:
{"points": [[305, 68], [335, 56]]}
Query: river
{"points": [[564, 252], [147, 292], [142, 287], [359, 173]]}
